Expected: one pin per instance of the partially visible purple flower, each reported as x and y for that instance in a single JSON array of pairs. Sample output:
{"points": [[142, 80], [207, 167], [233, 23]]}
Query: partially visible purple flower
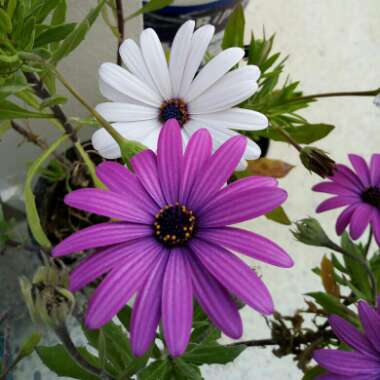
{"points": [[363, 363], [359, 192], [170, 239]]}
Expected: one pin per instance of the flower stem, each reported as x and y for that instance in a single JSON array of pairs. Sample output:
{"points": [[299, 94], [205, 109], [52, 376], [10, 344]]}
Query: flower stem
{"points": [[369, 241], [120, 27], [339, 94], [287, 137]]}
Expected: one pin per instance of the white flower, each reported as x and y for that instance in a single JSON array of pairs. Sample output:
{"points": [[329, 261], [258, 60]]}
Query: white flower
{"points": [[152, 91]]}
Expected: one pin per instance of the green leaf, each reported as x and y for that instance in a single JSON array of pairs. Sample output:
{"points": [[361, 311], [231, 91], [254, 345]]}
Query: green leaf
{"points": [[151, 6], [279, 215], [212, 354], [5, 126], [29, 345], [30, 204], [53, 101], [9, 110], [11, 89], [42, 8], [125, 316], [234, 32], [25, 36], [5, 22], [185, 371], [54, 34], [312, 373], [158, 370], [59, 14], [57, 360], [11, 7]]}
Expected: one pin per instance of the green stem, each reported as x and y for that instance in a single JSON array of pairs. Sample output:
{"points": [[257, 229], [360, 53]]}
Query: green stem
{"points": [[287, 136], [339, 94], [369, 241]]}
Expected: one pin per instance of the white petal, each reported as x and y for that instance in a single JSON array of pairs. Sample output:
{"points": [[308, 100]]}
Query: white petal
{"points": [[155, 60], [136, 131], [240, 119], [232, 89], [213, 71], [132, 57], [111, 93], [179, 54], [201, 39], [126, 112], [150, 140], [126, 83]]}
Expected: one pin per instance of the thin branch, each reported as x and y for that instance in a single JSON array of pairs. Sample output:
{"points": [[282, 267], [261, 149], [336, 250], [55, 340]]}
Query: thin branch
{"points": [[369, 241], [339, 94], [120, 27], [287, 137]]}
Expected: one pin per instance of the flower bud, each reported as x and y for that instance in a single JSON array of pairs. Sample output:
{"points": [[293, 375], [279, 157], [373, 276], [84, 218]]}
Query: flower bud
{"points": [[47, 298], [317, 161], [310, 232]]}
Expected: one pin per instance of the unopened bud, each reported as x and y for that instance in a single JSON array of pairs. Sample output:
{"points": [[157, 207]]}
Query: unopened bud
{"points": [[310, 232], [317, 161], [47, 298]]}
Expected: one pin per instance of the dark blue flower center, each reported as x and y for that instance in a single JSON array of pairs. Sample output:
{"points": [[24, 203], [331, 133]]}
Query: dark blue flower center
{"points": [[174, 109], [371, 195], [174, 225]]}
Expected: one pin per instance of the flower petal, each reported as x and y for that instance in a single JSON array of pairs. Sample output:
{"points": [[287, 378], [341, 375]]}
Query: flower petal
{"points": [[370, 320], [361, 169], [179, 54], [333, 376], [177, 303], [145, 166], [215, 300], [109, 204], [346, 363], [217, 170], [198, 151], [235, 87], [126, 83], [334, 188], [234, 275], [376, 225], [247, 243], [155, 60], [230, 206], [106, 259], [126, 112], [119, 286], [200, 41], [132, 57], [375, 170], [337, 202], [347, 178], [360, 220], [169, 160], [344, 219], [239, 119], [113, 94], [213, 71], [146, 311], [101, 235]]}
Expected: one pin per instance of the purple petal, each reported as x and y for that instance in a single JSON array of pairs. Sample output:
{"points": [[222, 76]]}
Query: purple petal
{"points": [[101, 235], [376, 225], [215, 301], [347, 363], [370, 319], [119, 286], [108, 204], [360, 220], [333, 376], [336, 202], [350, 335], [217, 170], [146, 311], [198, 151], [248, 243], [103, 261], [375, 170], [177, 303], [230, 206], [119, 179], [346, 177], [234, 275], [145, 166], [334, 188], [169, 160], [361, 169], [344, 218]]}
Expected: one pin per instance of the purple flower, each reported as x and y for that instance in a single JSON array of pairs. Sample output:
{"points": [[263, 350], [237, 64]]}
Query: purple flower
{"points": [[169, 239], [363, 363], [359, 192]]}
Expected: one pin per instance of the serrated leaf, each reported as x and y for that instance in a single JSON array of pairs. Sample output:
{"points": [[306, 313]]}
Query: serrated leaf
{"points": [[54, 34], [9, 110], [5, 22], [212, 354], [234, 31], [327, 275], [279, 215], [158, 370], [269, 167], [151, 6], [32, 215], [57, 360]]}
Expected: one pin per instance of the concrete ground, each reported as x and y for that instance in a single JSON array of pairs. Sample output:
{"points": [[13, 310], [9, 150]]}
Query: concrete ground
{"points": [[333, 46]]}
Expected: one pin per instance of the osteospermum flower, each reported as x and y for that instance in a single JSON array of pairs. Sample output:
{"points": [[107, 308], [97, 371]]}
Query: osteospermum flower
{"points": [[359, 192], [171, 241], [151, 91], [363, 363]]}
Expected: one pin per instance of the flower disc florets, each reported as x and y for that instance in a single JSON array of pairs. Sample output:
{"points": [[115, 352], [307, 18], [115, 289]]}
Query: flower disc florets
{"points": [[174, 109], [371, 195]]}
